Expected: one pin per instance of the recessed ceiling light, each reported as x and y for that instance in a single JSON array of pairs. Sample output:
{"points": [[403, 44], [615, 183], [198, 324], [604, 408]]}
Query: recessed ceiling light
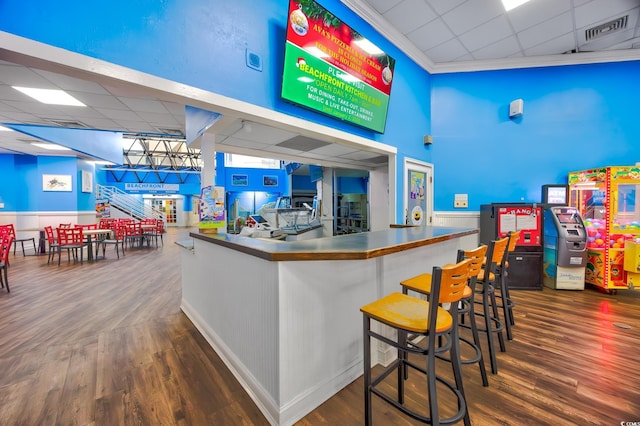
{"points": [[512, 4], [5, 129], [50, 146], [50, 96]]}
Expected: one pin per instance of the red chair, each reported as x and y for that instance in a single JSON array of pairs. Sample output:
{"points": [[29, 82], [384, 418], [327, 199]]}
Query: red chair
{"points": [[107, 223], [134, 233], [159, 231], [70, 239], [53, 243], [5, 247], [11, 230], [118, 240]]}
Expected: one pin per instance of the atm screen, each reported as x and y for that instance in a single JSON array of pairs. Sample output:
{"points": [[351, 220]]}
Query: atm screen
{"points": [[567, 218]]}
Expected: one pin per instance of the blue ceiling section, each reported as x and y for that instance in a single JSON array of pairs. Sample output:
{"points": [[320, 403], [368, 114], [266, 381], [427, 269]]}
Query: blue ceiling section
{"points": [[101, 144], [197, 121]]}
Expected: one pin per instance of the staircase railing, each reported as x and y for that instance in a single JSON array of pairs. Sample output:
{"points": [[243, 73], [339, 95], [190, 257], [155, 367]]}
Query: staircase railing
{"points": [[129, 205]]}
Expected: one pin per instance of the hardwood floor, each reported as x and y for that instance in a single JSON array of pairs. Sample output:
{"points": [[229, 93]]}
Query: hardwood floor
{"points": [[105, 343]]}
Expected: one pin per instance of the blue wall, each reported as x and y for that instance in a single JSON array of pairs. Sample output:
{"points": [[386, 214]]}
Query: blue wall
{"points": [[575, 117], [12, 180], [203, 44]]}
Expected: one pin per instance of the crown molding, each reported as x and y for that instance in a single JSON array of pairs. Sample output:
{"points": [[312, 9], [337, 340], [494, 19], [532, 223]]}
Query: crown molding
{"points": [[398, 39], [581, 58], [388, 31]]}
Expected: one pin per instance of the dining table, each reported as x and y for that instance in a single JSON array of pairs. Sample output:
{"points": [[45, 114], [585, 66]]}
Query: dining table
{"points": [[99, 234]]}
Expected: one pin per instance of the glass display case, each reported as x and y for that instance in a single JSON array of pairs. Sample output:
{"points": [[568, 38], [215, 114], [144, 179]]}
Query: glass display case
{"points": [[606, 199]]}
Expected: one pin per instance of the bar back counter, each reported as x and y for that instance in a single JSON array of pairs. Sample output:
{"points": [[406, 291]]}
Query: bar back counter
{"points": [[285, 316]]}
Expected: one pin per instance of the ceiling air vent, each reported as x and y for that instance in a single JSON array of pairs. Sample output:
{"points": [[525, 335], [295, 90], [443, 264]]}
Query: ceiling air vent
{"points": [[172, 132], [68, 124], [606, 28]]}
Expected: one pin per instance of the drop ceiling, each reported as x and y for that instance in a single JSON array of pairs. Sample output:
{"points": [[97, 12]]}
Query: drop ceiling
{"points": [[440, 35], [450, 35]]}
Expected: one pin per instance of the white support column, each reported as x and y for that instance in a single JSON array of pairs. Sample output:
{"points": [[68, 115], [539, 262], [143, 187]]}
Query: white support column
{"points": [[208, 152]]}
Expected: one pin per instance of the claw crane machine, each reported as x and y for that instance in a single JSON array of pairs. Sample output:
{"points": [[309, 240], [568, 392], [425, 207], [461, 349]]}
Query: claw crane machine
{"points": [[606, 199]]}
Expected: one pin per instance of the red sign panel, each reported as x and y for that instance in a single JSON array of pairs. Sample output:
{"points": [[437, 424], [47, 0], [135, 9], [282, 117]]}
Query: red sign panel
{"points": [[525, 219]]}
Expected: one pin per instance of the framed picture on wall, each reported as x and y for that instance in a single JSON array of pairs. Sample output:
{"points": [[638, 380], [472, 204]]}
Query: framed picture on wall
{"points": [[56, 183], [239, 180], [87, 181], [270, 180]]}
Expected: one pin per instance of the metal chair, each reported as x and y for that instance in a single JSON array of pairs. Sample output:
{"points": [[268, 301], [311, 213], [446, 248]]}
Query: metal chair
{"points": [[410, 315], [5, 247], [421, 284]]}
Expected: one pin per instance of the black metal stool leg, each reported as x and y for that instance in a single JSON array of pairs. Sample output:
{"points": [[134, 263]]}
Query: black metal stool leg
{"points": [[367, 370]]}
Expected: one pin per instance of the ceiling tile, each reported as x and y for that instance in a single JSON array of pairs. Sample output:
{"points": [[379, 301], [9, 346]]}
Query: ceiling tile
{"points": [[448, 51], [443, 6], [69, 83], [536, 12], [360, 155], [8, 93], [302, 143], [486, 34], [146, 105], [548, 30], [116, 114], [136, 126], [430, 35], [101, 123], [601, 11], [383, 5], [472, 14], [409, 15], [22, 76], [260, 133], [155, 118], [508, 46], [561, 44], [333, 150], [98, 100], [243, 143]]}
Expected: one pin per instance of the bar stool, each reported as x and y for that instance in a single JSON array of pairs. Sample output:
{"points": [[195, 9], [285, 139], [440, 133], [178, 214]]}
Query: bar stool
{"points": [[502, 293], [407, 314], [422, 284], [486, 290]]}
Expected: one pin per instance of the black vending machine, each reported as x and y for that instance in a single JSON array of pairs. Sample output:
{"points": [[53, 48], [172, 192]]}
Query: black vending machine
{"points": [[525, 262]]}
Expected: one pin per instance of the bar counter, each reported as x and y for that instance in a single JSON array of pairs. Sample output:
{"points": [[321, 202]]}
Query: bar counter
{"points": [[365, 245], [285, 316]]}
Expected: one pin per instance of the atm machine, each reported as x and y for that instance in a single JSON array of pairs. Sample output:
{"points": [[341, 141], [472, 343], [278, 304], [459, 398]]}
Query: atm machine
{"points": [[565, 249]]}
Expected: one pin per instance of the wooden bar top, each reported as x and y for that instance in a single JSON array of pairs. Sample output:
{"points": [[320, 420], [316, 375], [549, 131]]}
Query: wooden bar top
{"points": [[365, 245]]}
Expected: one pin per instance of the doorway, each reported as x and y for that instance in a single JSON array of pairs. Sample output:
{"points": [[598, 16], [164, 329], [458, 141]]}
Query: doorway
{"points": [[418, 192]]}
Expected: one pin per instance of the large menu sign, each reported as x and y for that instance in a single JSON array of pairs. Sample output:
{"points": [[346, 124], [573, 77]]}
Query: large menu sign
{"points": [[331, 68]]}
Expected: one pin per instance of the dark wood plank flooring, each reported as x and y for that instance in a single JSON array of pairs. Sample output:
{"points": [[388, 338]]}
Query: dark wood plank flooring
{"points": [[105, 343]]}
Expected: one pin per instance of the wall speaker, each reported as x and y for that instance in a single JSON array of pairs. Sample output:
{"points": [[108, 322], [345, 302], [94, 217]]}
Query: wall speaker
{"points": [[516, 108]]}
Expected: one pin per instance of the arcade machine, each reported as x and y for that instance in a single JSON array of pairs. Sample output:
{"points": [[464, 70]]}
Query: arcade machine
{"points": [[565, 248], [606, 199], [525, 262]]}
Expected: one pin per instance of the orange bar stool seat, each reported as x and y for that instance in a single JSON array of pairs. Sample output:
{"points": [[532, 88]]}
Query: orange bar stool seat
{"points": [[410, 315]]}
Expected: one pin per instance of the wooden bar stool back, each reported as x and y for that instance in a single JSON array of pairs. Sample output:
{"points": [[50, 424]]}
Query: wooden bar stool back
{"points": [[410, 315]]}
